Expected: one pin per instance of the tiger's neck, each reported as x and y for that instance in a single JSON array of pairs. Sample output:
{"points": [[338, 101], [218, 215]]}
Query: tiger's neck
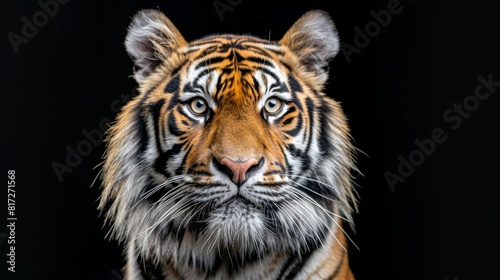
{"points": [[326, 262]]}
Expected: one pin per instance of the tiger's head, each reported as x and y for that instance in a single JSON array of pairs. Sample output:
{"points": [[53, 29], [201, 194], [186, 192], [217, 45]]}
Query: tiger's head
{"points": [[231, 148]]}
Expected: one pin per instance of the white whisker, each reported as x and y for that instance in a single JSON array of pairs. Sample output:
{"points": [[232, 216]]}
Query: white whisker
{"points": [[95, 179], [328, 213], [328, 227], [311, 190], [149, 193], [310, 211]]}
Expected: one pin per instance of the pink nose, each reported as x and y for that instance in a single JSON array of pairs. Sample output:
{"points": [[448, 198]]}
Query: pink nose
{"points": [[239, 168]]}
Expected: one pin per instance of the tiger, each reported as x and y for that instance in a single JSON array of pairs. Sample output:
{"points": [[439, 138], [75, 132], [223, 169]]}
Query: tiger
{"points": [[231, 162]]}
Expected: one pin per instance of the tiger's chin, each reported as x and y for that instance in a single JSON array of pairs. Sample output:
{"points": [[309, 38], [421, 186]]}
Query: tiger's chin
{"points": [[238, 224], [245, 230], [232, 231], [234, 226]]}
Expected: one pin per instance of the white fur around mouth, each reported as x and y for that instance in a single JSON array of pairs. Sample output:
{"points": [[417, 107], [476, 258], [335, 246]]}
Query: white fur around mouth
{"points": [[235, 207], [235, 213]]}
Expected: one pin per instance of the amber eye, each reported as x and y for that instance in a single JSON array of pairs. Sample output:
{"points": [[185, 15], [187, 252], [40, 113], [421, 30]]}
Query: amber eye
{"points": [[198, 105], [273, 105]]}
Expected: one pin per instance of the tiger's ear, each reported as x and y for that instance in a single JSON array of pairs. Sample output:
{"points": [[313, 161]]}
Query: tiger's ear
{"points": [[314, 40], [151, 38]]}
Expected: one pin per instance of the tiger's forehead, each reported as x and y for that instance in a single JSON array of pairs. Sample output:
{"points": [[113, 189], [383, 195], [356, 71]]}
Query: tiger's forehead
{"points": [[223, 43], [234, 53], [246, 66]]}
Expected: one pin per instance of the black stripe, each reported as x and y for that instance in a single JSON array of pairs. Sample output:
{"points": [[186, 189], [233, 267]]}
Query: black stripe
{"points": [[264, 47], [294, 131], [296, 269], [260, 60], [288, 120], [155, 111], [337, 268], [206, 41], [208, 51], [283, 168], [152, 195], [256, 83], [178, 68], [161, 162], [173, 229], [294, 88], [172, 125], [271, 172], [148, 92], [235, 45], [269, 72], [180, 169], [289, 262], [236, 57], [141, 119], [173, 85], [254, 88], [294, 84], [310, 110], [174, 100], [254, 91], [294, 151], [141, 131], [257, 40], [191, 168], [180, 110], [260, 51], [287, 164], [287, 66], [279, 87], [291, 109], [232, 46], [209, 61], [325, 145], [148, 270], [188, 88], [220, 86], [202, 174], [201, 75]]}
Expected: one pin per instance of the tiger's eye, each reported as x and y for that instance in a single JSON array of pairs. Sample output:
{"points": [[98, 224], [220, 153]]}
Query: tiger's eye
{"points": [[198, 106], [273, 105]]}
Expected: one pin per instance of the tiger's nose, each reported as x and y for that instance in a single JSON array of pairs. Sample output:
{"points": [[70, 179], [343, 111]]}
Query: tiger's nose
{"points": [[237, 170]]}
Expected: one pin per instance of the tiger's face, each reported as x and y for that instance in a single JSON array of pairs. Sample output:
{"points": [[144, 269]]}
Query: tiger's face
{"points": [[232, 116], [231, 145]]}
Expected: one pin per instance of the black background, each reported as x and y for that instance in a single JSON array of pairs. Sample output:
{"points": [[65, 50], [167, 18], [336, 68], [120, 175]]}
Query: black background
{"points": [[440, 223]]}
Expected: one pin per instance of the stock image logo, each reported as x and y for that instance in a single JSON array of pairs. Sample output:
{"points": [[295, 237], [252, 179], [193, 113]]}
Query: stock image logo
{"points": [[372, 29], [91, 138], [223, 6], [454, 117], [32, 25]]}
